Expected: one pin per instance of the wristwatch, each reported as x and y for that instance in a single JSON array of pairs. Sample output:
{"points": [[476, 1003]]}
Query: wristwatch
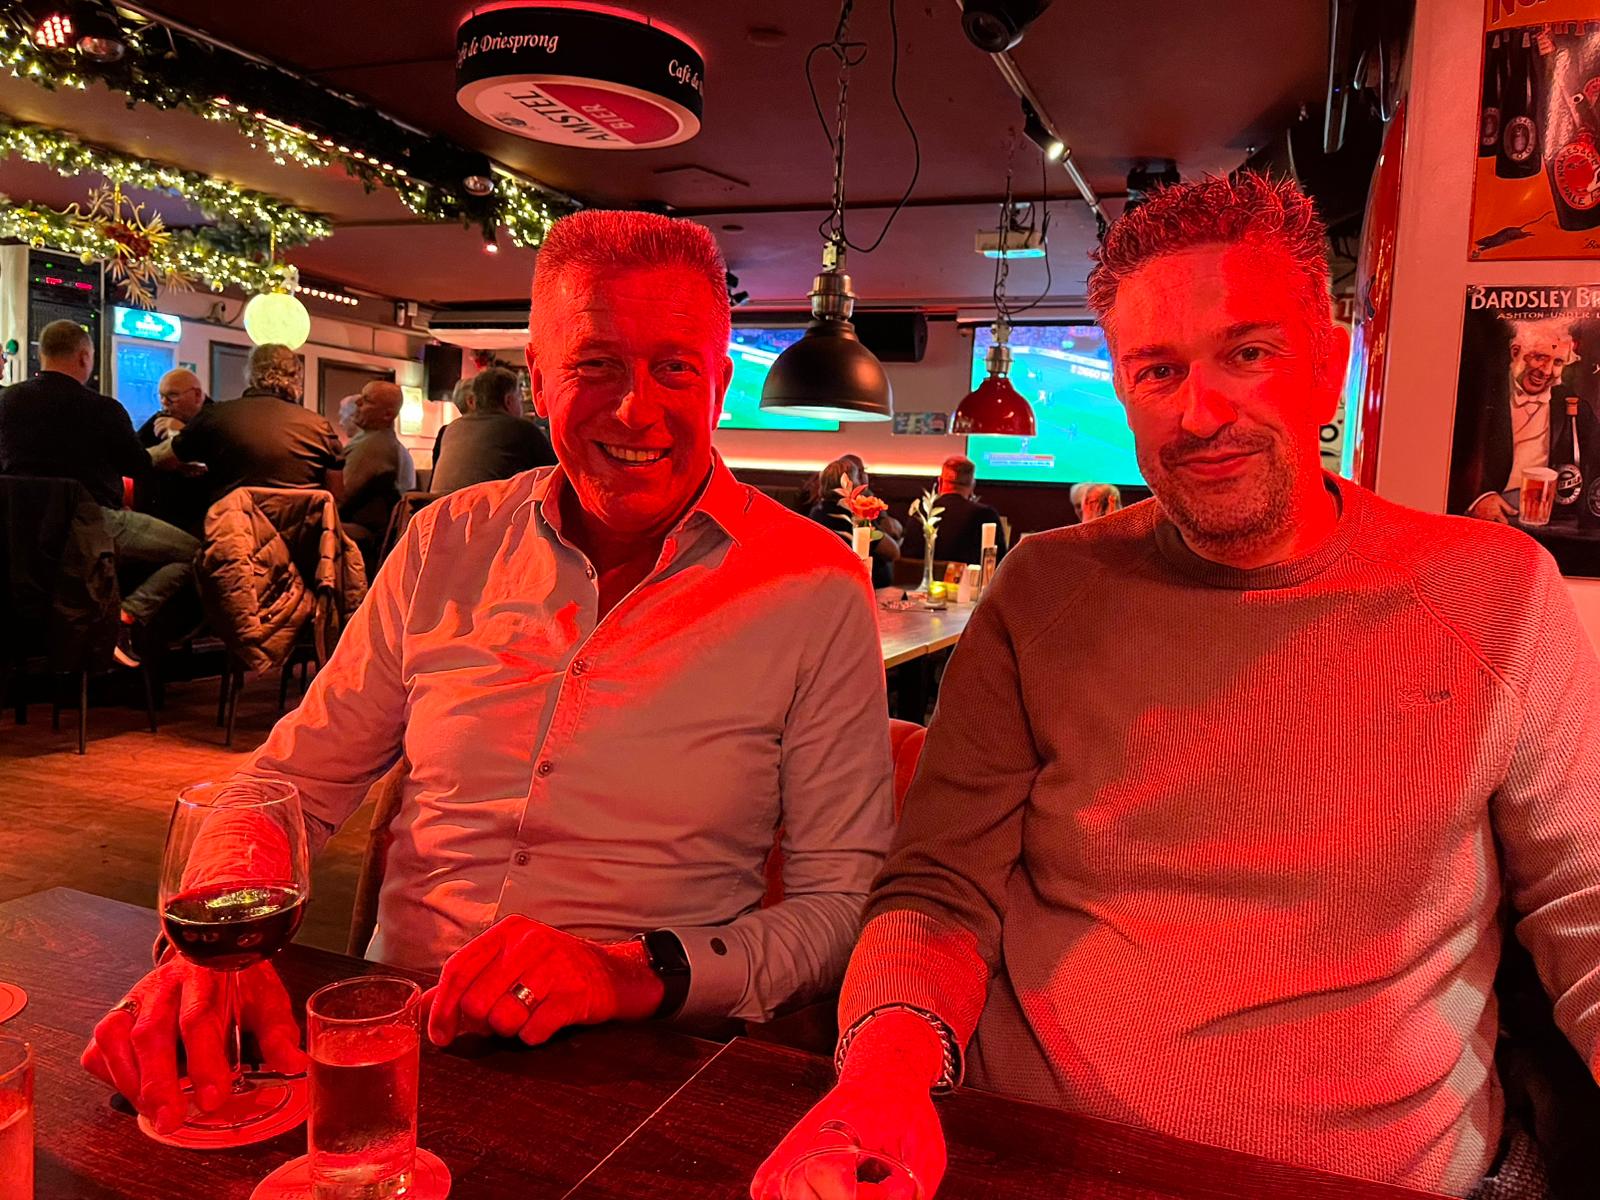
{"points": [[667, 958]]}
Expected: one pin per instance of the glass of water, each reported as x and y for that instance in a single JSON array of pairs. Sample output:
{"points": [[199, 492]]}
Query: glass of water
{"points": [[364, 1038], [16, 1119]]}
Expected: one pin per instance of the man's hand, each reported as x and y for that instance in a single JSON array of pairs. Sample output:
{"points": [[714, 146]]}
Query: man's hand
{"points": [[135, 1046], [573, 981], [1492, 507], [882, 1102], [888, 1117]]}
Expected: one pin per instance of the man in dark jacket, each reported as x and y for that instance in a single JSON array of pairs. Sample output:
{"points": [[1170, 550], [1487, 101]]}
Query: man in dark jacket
{"points": [[961, 520], [53, 425], [177, 497], [265, 438], [493, 441]]}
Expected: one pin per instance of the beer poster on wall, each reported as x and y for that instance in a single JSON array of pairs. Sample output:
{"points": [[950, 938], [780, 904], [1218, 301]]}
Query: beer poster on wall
{"points": [[1526, 447], [1537, 189]]}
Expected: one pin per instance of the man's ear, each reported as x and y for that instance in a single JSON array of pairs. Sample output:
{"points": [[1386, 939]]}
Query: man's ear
{"points": [[535, 381], [725, 370], [1331, 376]]}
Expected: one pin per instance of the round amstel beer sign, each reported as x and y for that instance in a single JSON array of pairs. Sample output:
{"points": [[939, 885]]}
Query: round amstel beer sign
{"points": [[579, 75]]}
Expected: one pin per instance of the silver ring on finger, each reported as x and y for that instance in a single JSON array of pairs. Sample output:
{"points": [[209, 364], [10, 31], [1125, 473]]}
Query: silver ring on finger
{"points": [[523, 995], [128, 1005]]}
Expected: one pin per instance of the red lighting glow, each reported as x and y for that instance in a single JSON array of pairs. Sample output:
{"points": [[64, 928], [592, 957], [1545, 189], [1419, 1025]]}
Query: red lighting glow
{"points": [[54, 32], [54, 280], [84, 287]]}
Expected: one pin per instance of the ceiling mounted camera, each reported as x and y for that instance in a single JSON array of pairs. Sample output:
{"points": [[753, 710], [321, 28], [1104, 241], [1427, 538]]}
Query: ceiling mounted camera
{"points": [[995, 26]]}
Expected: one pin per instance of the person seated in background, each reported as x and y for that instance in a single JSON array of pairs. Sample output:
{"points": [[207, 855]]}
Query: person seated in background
{"points": [[1091, 501], [493, 441], [609, 683], [176, 497], [265, 438], [962, 517], [1231, 796], [55, 425], [830, 512], [461, 401], [378, 468]]}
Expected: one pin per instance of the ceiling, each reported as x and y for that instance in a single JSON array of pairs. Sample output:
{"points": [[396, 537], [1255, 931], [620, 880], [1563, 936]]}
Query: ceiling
{"points": [[1138, 78]]}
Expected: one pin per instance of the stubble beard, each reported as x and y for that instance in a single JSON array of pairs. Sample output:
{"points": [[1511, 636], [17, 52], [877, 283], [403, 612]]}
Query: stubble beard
{"points": [[1252, 514]]}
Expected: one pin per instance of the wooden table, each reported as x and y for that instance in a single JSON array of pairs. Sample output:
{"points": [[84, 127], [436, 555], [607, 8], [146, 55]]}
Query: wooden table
{"points": [[621, 1112], [914, 633]]}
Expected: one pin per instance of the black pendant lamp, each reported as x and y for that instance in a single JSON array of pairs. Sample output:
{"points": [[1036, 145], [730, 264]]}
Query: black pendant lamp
{"points": [[828, 373]]}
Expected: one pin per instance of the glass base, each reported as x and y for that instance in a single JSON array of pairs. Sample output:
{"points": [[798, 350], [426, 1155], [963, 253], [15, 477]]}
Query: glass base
{"points": [[252, 1102], [271, 1107]]}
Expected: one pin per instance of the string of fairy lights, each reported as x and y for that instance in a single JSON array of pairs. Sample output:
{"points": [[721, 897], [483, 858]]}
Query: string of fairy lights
{"points": [[432, 178]]}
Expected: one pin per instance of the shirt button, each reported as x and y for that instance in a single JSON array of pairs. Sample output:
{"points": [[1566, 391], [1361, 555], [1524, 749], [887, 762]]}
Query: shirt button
{"points": [[546, 767], [579, 667], [588, 569], [522, 858]]}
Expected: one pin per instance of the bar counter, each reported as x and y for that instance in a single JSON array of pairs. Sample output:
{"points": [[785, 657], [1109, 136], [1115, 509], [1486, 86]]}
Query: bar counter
{"points": [[622, 1111]]}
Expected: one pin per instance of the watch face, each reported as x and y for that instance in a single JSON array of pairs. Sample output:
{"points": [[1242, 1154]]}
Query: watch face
{"points": [[666, 953]]}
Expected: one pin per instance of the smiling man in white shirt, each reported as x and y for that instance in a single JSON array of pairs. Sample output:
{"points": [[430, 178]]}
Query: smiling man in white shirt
{"points": [[611, 681]]}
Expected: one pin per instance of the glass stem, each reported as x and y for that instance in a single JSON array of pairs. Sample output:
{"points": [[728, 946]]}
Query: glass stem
{"points": [[230, 1011]]}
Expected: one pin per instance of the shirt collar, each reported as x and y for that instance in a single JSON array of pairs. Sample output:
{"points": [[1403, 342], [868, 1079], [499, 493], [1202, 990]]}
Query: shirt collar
{"points": [[724, 500]]}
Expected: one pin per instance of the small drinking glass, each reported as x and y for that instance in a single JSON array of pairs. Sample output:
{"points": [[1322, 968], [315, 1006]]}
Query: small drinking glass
{"points": [[848, 1171], [16, 1119], [365, 1037]]}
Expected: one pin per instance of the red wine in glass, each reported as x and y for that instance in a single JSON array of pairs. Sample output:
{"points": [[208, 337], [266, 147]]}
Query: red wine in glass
{"points": [[234, 881], [228, 926]]}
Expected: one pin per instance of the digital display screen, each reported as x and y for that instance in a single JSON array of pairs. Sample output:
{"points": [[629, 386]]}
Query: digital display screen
{"points": [[1065, 373], [753, 351]]}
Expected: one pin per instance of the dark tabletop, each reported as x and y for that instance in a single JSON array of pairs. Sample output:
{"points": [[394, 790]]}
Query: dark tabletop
{"points": [[508, 1123], [624, 1112]]}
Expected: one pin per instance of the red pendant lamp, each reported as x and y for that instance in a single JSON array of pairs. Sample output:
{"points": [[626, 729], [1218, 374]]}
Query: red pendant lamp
{"points": [[994, 406]]}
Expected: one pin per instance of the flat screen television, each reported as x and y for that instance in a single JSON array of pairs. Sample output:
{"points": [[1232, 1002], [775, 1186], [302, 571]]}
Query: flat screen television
{"points": [[753, 350], [1065, 372]]}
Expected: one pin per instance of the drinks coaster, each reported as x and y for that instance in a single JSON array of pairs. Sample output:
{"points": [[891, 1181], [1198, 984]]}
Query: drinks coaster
{"points": [[12, 1000], [290, 1116], [430, 1180]]}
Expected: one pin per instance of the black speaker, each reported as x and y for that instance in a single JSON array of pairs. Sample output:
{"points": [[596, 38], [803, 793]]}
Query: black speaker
{"points": [[1337, 182], [441, 364], [893, 336]]}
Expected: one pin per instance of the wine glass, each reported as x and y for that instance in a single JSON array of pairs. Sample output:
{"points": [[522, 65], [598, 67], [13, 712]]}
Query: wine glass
{"points": [[234, 884], [848, 1171]]}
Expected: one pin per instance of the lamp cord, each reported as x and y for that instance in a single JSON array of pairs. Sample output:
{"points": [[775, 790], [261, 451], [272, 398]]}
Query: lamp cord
{"points": [[849, 55]]}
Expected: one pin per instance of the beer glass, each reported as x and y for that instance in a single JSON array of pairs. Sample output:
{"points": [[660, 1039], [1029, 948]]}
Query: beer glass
{"points": [[364, 1037], [16, 1119], [829, 1171], [1538, 495]]}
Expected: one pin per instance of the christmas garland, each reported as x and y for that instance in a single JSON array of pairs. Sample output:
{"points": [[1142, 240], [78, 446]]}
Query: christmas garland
{"points": [[222, 202], [182, 254], [168, 69]]}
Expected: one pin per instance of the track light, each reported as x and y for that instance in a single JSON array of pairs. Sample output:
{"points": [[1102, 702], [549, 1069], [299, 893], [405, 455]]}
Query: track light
{"points": [[1039, 134], [491, 244], [100, 37]]}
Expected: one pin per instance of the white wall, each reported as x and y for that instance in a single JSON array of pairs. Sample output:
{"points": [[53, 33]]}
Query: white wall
{"points": [[341, 341], [1432, 271]]}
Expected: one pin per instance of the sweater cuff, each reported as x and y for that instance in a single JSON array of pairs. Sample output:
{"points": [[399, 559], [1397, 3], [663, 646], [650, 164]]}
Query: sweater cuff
{"points": [[911, 959], [719, 970]]}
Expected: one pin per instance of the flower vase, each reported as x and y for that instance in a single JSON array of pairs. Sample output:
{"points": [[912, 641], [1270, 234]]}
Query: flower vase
{"points": [[926, 587]]}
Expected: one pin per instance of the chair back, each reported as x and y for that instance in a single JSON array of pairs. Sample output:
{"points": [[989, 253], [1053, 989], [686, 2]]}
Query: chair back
{"points": [[59, 597], [385, 796], [409, 505]]}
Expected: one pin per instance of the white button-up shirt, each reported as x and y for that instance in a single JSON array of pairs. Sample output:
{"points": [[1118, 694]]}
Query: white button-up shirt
{"points": [[611, 776]]}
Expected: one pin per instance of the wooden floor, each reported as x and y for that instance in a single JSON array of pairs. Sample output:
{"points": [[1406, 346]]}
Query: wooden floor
{"points": [[97, 822]]}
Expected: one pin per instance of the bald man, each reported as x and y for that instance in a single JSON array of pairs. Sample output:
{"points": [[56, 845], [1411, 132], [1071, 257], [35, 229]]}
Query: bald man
{"points": [[378, 468], [177, 497]]}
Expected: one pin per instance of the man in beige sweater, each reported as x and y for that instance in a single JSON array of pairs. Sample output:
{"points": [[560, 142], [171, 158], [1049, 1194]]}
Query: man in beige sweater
{"points": [[1226, 791]]}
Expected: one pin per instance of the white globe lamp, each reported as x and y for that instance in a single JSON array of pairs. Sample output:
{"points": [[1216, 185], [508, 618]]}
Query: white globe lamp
{"points": [[277, 317]]}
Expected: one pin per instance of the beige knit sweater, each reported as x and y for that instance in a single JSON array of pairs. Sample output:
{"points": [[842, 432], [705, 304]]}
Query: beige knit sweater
{"points": [[1221, 852]]}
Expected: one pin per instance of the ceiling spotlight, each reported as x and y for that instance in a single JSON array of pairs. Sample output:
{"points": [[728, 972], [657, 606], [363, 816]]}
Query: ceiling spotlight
{"points": [[55, 32], [491, 244], [478, 185], [1145, 177], [995, 26], [1039, 134], [100, 36]]}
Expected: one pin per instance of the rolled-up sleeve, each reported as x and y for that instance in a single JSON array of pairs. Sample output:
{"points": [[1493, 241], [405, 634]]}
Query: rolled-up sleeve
{"points": [[347, 733], [838, 813]]}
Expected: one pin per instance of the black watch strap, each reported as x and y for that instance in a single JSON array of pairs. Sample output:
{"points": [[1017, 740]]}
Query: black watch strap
{"points": [[668, 959]]}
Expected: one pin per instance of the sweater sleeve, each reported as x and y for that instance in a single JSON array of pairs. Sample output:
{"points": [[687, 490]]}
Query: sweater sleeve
{"points": [[1547, 810], [932, 936]]}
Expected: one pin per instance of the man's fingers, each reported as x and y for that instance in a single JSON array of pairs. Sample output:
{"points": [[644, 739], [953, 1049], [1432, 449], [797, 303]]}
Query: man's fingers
{"points": [[200, 1021], [155, 1043], [109, 1055], [460, 969], [265, 1010]]}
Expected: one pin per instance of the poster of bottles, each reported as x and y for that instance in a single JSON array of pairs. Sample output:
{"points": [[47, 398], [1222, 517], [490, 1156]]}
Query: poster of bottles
{"points": [[1526, 449], [1537, 188]]}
